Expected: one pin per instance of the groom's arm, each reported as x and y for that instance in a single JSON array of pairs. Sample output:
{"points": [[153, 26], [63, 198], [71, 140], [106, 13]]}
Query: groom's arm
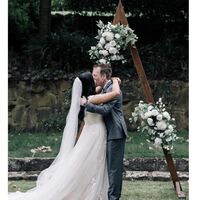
{"points": [[101, 109]]}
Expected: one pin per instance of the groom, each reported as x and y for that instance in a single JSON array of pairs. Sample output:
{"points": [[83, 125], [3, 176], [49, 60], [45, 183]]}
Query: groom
{"points": [[116, 129]]}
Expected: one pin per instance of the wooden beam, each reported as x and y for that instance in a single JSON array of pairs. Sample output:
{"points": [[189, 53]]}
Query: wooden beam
{"points": [[121, 18]]}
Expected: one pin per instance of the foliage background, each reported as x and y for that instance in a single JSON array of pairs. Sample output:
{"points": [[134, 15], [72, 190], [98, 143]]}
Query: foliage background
{"points": [[161, 25]]}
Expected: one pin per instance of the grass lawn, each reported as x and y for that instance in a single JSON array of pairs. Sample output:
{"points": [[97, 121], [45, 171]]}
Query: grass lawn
{"points": [[20, 145], [132, 190]]}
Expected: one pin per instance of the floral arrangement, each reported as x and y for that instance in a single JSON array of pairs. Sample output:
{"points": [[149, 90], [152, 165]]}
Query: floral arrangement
{"points": [[157, 123], [112, 39]]}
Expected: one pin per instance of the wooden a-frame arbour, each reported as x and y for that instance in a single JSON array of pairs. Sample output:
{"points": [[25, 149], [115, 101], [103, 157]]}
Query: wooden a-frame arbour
{"points": [[121, 18]]}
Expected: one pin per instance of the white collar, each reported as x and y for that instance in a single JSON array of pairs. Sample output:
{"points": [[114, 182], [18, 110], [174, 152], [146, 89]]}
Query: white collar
{"points": [[106, 84]]}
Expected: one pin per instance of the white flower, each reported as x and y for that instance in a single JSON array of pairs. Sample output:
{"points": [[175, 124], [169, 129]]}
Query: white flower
{"points": [[104, 52], [154, 112], [161, 134], [134, 114], [159, 117], [166, 115], [117, 36], [112, 50], [102, 41], [158, 142], [102, 61], [170, 127], [99, 45], [93, 48], [161, 125], [147, 114], [112, 43], [107, 46], [150, 122], [113, 26], [108, 35], [114, 57], [150, 108], [141, 104], [143, 116], [169, 139], [167, 132]]}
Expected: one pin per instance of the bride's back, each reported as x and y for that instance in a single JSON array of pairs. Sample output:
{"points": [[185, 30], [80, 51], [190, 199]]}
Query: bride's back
{"points": [[92, 118]]}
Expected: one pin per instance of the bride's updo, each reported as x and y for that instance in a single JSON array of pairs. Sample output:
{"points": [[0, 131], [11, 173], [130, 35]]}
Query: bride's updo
{"points": [[88, 88]]}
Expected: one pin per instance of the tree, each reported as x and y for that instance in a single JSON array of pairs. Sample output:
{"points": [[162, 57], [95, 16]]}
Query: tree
{"points": [[45, 19]]}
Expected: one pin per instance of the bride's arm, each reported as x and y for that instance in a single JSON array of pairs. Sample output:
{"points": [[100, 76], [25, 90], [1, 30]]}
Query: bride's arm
{"points": [[102, 98]]}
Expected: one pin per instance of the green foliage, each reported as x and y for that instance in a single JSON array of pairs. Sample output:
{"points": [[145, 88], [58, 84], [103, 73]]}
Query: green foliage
{"points": [[21, 13], [162, 9], [63, 50], [55, 122], [57, 5], [162, 28]]}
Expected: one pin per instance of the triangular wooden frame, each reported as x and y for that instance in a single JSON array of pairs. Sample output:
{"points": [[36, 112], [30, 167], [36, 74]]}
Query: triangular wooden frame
{"points": [[121, 18]]}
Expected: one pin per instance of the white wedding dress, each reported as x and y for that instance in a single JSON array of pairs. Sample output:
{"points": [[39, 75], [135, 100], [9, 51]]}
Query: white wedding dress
{"points": [[78, 172]]}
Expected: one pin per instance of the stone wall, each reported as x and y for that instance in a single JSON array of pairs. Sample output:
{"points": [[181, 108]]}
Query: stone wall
{"points": [[32, 102]]}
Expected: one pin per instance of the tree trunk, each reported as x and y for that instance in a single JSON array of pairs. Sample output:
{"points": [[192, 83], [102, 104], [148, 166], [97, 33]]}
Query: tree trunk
{"points": [[45, 19]]}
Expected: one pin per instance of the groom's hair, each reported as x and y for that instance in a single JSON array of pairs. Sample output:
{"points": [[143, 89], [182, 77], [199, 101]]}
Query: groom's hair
{"points": [[104, 69]]}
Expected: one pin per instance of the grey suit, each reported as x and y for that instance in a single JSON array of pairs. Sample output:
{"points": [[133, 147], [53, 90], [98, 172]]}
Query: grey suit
{"points": [[116, 135]]}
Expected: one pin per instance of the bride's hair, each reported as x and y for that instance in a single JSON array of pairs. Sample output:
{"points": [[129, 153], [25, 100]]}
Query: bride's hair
{"points": [[88, 84], [88, 88]]}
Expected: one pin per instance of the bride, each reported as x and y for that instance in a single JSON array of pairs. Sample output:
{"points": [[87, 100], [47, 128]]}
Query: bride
{"points": [[79, 171]]}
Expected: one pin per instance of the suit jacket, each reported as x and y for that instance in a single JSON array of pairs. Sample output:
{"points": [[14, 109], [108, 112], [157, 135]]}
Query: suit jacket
{"points": [[112, 114]]}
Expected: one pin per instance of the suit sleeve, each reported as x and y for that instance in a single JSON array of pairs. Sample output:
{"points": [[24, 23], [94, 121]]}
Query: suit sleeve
{"points": [[101, 109]]}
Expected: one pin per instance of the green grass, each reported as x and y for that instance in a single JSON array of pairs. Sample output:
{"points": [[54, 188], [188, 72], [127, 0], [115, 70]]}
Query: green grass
{"points": [[20, 145], [137, 146], [132, 190]]}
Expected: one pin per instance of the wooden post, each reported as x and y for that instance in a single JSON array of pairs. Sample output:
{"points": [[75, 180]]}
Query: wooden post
{"points": [[121, 18]]}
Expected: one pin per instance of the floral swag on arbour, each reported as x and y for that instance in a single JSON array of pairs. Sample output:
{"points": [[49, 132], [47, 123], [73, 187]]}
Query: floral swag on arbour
{"points": [[112, 41]]}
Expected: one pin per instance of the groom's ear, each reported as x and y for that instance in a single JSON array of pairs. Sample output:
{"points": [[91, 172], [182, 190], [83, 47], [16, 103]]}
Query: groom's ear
{"points": [[104, 76]]}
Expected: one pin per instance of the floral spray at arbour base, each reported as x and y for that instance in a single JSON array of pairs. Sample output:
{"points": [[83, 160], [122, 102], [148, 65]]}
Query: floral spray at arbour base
{"points": [[112, 41], [156, 122]]}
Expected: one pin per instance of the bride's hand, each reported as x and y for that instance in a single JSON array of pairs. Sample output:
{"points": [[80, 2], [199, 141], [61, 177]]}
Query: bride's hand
{"points": [[83, 101], [118, 79]]}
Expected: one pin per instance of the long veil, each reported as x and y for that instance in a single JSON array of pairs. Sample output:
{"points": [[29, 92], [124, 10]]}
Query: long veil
{"points": [[67, 144], [69, 134]]}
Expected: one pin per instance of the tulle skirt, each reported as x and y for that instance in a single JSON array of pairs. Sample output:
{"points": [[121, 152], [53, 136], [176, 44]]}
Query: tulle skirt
{"points": [[82, 175]]}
